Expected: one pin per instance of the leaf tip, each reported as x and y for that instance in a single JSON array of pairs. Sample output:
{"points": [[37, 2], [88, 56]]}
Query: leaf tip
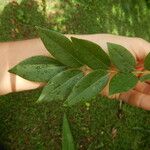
{"points": [[65, 104], [38, 27], [37, 102], [12, 70], [111, 93], [40, 99], [74, 39], [109, 43], [65, 116]]}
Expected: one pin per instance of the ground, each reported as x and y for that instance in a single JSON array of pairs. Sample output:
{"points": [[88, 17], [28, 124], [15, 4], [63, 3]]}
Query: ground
{"points": [[98, 124]]}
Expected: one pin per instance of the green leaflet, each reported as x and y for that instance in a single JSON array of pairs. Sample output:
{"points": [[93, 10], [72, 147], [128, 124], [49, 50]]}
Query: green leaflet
{"points": [[145, 78], [122, 82], [59, 46], [91, 54], [121, 58], [88, 87], [60, 85], [38, 68], [67, 139], [147, 62]]}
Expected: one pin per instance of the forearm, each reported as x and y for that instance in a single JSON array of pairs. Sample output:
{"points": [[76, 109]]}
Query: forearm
{"points": [[11, 54], [17, 51]]}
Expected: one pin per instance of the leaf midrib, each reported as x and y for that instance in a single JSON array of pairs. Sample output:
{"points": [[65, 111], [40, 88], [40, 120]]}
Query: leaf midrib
{"points": [[46, 65], [89, 87], [128, 61], [59, 86], [94, 56]]}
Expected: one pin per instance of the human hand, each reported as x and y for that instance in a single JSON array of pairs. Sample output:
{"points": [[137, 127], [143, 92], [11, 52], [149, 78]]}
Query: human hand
{"points": [[11, 53], [140, 95]]}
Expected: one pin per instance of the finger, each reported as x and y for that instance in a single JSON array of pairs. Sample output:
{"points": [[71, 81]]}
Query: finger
{"points": [[136, 98], [141, 48], [145, 46], [143, 87], [148, 82]]}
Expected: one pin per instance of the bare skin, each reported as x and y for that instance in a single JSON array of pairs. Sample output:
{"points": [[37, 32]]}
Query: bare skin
{"points": [[14, 52]]}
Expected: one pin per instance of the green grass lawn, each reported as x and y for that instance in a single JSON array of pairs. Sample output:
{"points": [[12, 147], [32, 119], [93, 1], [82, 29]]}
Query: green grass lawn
{"points": [[100, 125]]}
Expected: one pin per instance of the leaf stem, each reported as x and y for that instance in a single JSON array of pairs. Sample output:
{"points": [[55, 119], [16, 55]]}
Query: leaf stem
{"points": [[86, 70], [135, 71], [143, 72]]}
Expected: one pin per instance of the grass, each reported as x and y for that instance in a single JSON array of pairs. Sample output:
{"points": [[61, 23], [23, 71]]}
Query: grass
{"points": [[100, 124], [26, 125], [18, 20]]}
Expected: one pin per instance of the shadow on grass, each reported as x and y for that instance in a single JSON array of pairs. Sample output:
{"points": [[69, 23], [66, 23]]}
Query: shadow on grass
{"points": [[18, 21]]}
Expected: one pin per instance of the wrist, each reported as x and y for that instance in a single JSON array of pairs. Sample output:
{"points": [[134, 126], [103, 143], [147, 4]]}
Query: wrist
{"points": [[4, 66]]}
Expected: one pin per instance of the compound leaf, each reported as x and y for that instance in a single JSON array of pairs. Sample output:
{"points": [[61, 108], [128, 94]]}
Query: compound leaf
{"points": [[38, 68], [147, 62], [60, 85], [122, 82], [88, 87], [91, 54], [67, 138], [59, 46], [121, 58]]}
